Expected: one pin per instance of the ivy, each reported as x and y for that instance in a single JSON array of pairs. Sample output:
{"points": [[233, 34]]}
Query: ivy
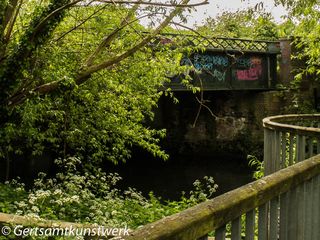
{"points": [[32, 39]]}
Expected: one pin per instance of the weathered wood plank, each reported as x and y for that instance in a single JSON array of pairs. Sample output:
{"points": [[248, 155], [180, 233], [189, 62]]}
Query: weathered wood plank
{"points": [[310, 147], [267, 154], [275, 122], [250, 225], [300, 152], [220, 233], [315, 208], [274, 215], [236, 229], [293, 214], [308, 210], [284, 209], [291, 146], [263, 221], [301, 211], [283, 163], [277, 149]]}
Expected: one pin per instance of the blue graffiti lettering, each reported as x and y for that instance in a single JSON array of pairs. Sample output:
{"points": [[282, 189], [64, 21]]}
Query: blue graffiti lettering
{"points": [[205, 61]]}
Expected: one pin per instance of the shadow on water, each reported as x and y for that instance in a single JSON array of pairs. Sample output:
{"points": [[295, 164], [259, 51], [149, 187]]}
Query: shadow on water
{"points": [[169, 178]]}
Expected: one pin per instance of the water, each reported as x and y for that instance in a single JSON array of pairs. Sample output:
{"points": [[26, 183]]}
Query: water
{"points": [[169, 178]]}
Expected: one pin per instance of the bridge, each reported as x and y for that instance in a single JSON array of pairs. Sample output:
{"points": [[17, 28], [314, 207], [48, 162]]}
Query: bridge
{"points": [[285, 204], [227, 63]]}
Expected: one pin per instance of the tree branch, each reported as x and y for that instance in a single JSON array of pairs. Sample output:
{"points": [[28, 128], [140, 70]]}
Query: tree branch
{"points": [[107, 40], [53, 14], [204, 2], [80, 24], [85, 75], [82, 77], [10, 9], [11, 23], [29, 41]]}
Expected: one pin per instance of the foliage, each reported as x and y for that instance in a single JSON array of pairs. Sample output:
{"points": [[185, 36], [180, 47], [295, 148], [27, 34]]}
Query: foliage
{"points": [[81, 79], [15, 191], [248, 23], [304, 15], [258, 165], [77, 196]]}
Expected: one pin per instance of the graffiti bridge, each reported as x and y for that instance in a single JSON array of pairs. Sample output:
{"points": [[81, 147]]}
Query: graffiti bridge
{"points": [[229, 63]]}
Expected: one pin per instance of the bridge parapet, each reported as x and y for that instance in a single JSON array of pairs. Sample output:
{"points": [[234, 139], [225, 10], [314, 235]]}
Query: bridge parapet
{"points": [[223, 43], [227, 63]]}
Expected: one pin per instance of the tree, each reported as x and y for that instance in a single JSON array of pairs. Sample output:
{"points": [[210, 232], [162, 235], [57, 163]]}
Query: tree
{"points": [[306, 34], [250, 23], [305, 29], [88, 97]]}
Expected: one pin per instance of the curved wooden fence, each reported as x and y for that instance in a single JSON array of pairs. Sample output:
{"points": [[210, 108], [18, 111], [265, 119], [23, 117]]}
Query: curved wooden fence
{"points": [[290, 139], [285, 204]]}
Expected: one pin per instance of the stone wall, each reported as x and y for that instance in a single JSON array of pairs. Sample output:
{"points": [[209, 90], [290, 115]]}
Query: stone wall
{"points": [[236, 125]]}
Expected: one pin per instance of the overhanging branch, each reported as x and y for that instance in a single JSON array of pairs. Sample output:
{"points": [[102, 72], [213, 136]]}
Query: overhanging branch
{"points": [[84, 75], [108, 39], [158, 4]]}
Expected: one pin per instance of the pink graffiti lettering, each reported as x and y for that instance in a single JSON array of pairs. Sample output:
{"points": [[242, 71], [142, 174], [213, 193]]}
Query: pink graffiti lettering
{"points": [[250, 74]]}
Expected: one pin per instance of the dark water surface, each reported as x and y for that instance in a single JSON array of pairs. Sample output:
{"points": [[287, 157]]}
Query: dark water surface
{"points": [[169, 178]]}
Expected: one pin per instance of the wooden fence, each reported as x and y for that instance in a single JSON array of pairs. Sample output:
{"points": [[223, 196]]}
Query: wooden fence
{"points": [[282, 205]]}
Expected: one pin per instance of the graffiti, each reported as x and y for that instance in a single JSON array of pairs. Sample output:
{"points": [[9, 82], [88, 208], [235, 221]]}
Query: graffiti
{"points": [[205, 61], [220, 76], [250, 74], [248, 62], [244, 62], [246, 68], [253, 71]]}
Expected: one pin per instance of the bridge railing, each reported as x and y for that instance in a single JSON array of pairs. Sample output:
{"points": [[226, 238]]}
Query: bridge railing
{"points": [[285, 204], [290, 139]]}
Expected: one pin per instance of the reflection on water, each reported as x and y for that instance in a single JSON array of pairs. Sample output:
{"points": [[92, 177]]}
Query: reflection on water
{"points": [[168, 179]]}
